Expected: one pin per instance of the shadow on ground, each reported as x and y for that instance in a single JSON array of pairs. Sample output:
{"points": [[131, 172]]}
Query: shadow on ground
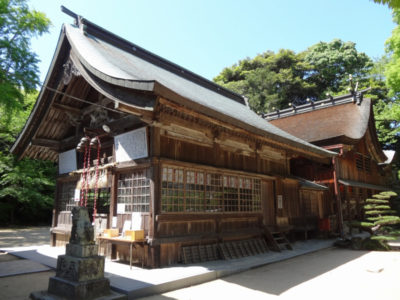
{"points": [[277, 278]]}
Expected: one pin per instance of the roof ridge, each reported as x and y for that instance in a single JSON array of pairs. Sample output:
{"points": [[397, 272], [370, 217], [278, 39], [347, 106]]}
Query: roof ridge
{"points": [[354, 97], [123, 44]]}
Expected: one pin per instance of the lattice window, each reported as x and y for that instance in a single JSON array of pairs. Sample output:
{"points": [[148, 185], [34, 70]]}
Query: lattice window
{"points": [[256, 188], [245, 194], [359, 162], [66, 196], [134, 191], [195, 191], [214, 193], [363, 163], [367, 163], [172, 190], [231, 193]]}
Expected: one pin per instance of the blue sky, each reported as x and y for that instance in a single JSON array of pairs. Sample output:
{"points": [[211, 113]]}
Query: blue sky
{"points": [[205, 36]]}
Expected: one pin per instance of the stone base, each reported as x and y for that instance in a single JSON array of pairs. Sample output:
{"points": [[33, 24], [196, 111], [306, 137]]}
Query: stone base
{"points": [[80, 268], [81, 250], [78, 290], [44, 295]]}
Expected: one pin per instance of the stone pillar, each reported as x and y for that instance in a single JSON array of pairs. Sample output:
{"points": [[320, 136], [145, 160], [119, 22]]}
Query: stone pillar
{"points": [[80, 272]]}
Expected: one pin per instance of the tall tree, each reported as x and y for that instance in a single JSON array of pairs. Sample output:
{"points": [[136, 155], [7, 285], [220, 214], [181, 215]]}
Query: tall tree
{"points": [[332, 63], [273, 80], [385, 82], [18, 64], [26, 186]]}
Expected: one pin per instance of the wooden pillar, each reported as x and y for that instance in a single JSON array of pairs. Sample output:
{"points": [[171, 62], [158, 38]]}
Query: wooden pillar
{"points": [[55, 213], [337, 196], [155, 183], [113, 200]]}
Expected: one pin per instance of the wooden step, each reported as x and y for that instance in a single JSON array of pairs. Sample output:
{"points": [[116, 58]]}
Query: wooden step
{"points": [[278, 240]]}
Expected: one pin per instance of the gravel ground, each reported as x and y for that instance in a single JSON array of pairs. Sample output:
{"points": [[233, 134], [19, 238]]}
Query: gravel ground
{"points": [[326, 274], [19, 287]]}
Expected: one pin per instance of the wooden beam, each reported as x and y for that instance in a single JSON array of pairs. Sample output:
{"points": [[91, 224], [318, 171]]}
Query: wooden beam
{"points": [[235, 129], [172, 162], [66, 108], [47, 143]]}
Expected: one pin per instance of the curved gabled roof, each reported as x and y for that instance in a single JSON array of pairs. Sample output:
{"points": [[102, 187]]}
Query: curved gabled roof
{"points": [[134, 70], [105, 59], [343, 120], [346, 121]]}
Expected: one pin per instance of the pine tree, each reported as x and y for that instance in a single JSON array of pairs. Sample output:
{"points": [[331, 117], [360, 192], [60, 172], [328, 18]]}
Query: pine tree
{"points": [[379, 217]]}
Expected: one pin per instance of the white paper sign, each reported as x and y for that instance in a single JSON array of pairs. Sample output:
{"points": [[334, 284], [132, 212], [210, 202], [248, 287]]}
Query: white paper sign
{"points": [[77, 195], [127, 226], [67, 161], [280, 201], [120, 208], [131, 145], [136, 221], [114, 222]]}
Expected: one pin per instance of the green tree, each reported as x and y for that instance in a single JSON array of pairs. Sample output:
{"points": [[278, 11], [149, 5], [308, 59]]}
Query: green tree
{"points": [[26, 186], [385, 83], [270, 80], [18, 64], [390, 3], [332, 63], [379, 219], [273, 80], [385, 107]]}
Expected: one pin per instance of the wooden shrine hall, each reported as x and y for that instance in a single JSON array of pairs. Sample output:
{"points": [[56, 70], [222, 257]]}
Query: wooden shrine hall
{"points": [[346, 125], [149, 146]]}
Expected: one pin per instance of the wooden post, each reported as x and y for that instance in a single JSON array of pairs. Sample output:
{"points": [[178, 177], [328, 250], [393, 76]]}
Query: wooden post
{"points": [[113, 200], [55, 214], [337, 196], [155, 182]]}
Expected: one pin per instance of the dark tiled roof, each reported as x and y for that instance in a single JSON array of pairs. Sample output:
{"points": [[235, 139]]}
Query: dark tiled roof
{"points": [[108, 58]]}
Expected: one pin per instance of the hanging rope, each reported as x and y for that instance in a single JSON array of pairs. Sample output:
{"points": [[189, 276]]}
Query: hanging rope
{"points": [[96, 186], [84, 174], [87, 174]]}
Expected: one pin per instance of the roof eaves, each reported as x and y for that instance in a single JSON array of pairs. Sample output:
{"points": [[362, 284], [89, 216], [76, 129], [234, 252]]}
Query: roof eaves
{"points": [[136, 50], [17, 148]]}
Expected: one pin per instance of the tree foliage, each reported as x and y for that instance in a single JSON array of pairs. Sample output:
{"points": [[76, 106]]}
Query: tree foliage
{"points": [[379, 217], [18, 64], [26, 186], [269, 80], [390, 3], [273, 80], [332, 63], [385, 83]]}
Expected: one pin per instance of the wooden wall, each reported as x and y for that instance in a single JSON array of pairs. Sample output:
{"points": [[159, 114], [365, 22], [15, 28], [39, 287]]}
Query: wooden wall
{"points": [[177, 230], [348, 166], [215, 156]]}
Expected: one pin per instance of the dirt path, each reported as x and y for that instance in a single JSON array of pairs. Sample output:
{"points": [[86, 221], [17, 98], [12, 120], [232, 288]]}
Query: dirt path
{"points": [[22, 237]]}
